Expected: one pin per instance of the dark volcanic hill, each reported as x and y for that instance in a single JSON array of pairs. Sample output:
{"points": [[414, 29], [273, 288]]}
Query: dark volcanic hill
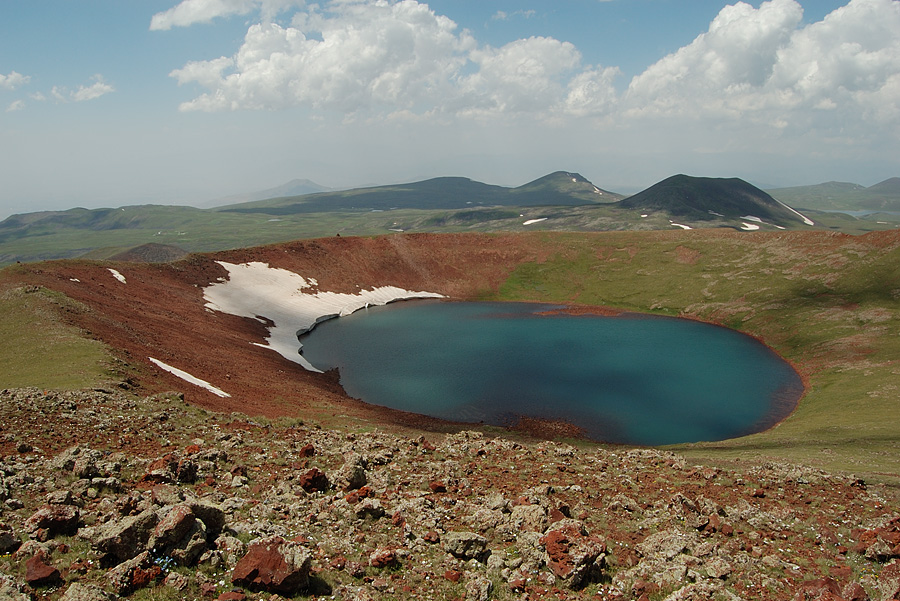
{"points": [[707, 199]]}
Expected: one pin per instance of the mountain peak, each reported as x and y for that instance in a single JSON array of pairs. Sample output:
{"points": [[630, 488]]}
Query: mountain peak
{"points": [[708, 198]]}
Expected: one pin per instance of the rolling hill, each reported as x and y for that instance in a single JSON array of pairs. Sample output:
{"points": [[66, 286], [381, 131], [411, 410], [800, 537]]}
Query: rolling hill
{"points": [[836, 196], [711, 199]]}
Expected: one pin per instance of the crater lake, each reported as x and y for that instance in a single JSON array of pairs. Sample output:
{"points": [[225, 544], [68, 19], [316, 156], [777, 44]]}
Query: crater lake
{"points": [[628, 378]]}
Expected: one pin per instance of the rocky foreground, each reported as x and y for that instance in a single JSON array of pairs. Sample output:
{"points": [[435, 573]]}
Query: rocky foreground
{"points": [[105, 495]]}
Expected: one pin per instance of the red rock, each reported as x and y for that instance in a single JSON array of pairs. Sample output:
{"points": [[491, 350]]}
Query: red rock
{"points": [[307, 451], [854, 592], [314, 480], [432, 537], [382, 558], [437, 486], [162, 470], [517, 585], [357, 495], [398, 520], [274, 565], [39, 573], [572, 552], [338, 563], [841, 572], [815, 589], [232, 596], [453, 575], [143, 577]]}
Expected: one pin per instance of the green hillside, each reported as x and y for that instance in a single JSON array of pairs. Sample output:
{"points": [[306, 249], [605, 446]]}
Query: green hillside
{"points": [[836, 196]]}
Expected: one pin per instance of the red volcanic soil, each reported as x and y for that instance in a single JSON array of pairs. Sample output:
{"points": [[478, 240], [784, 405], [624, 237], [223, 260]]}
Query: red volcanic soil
{"points": [[160, 312]]}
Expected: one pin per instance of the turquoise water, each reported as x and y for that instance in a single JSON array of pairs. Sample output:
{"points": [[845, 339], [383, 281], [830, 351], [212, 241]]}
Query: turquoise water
{"points": [[626, 379]]}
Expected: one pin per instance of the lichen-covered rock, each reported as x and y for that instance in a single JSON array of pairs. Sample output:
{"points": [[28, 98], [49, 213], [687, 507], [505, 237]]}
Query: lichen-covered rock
{"points": [[464, 545], [136, 573], [529, 518], [124, 539], [666, 544], [12, 590], [478, 588], [78, 591], [352, 474], [274, 565], [179, 535]]}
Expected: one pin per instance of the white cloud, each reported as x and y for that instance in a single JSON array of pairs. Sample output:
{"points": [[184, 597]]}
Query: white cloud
{"points": [[394, 57], [15, 105], [756, 73], [13, 80], [95, 90], [754, 66], [189, 12], [502, 15]]}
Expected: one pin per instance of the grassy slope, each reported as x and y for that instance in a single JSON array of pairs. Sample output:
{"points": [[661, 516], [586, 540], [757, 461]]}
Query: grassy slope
{"points": [[835, 313], [37, 349]]}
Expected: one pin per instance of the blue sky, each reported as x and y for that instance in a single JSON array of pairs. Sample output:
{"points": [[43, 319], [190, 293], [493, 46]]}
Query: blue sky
{"points": [[111, 102]]}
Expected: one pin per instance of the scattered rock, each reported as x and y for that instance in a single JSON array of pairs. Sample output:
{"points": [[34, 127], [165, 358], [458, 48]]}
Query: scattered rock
{"points": [[274, 565]]}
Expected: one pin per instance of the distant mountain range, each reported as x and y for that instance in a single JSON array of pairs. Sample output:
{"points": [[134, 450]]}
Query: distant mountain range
{"points": [[561, 201], [557, 189], [835, 196]]}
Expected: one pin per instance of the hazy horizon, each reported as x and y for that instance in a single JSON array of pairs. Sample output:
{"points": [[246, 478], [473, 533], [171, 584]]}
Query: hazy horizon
{"points": [[184, 102]]}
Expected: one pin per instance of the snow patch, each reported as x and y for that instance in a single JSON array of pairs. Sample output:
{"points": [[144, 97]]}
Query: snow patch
{"points": [[117, 275], [749, 227], [276, 296], [684, 227], [530, 221], [752, 218], [189, 378], [805, 219]]}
